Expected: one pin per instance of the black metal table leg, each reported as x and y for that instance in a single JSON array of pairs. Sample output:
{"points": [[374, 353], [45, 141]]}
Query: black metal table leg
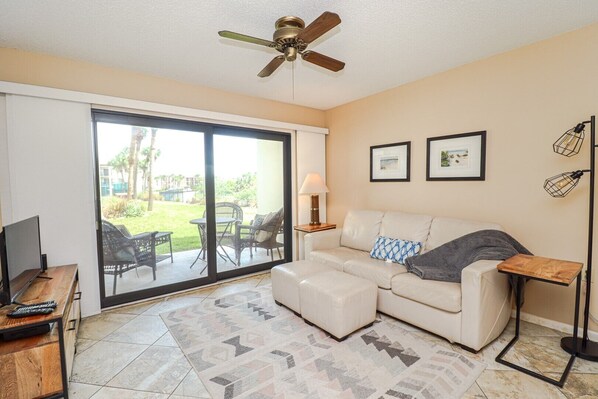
{"points": [[202, 250], [518, 294]]}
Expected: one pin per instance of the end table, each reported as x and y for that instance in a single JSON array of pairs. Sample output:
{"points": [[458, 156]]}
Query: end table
{"points": [[309, 228], [312, 228], [553, 271]]}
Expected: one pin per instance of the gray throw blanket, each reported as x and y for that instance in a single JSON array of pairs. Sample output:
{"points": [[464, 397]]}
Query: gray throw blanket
{"points": [[446, 262]]}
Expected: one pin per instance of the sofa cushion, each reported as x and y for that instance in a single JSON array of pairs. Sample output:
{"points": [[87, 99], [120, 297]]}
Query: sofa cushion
{"points": [[406, 226], [394, 249], [360, 229], [375, 270], [444, 230], [438, 294], [336, 257]]}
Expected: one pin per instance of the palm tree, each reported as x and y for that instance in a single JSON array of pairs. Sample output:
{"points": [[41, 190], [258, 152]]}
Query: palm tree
{"points": [[120, 163], [178, 179], [144, 166], [141, 133], [131, 162], [137, 135], [153, 155]]}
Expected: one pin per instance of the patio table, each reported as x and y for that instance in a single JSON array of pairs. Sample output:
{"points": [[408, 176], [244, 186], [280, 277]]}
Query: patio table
{"points": [[201, 228]]}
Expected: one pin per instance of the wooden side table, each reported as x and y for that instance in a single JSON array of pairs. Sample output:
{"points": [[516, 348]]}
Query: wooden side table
{"points": [[553, 271], [308, 228]]}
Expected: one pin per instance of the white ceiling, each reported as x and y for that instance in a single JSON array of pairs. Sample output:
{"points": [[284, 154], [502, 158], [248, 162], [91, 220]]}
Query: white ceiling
{"points": [[385, 43]]}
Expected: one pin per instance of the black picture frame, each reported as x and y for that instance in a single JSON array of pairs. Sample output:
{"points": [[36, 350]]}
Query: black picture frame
{"points": [[476, 155], [394, 152]]}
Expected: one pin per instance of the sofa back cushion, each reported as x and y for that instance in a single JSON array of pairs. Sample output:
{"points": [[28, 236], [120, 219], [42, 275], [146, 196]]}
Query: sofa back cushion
{"points": [[360, 229], [406, 226], [444, 230]]}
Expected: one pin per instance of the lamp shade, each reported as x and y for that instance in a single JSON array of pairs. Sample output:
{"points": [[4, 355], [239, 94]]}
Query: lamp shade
{"points": [[560, 185], [570, 142], [313, 184]]}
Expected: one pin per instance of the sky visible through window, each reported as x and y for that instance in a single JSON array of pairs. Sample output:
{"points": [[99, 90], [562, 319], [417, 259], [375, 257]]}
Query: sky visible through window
{"points": [[182, 152]]}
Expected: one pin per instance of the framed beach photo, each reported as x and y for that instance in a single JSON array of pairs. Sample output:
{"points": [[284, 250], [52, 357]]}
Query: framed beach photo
{"points": [[390, 162], [457, 157]]}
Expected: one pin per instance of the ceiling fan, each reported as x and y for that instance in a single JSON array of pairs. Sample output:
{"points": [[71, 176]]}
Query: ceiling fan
{"points": [[291, 37]]}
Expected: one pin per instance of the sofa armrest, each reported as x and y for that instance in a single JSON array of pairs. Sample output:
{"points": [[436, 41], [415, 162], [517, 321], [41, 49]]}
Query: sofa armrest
{"points": [[326, 239], [486, 303]]}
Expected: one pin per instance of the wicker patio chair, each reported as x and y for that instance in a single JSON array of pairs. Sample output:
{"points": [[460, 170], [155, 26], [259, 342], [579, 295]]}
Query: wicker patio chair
{"points": [[163, 237], [122, 253], [262, 235]]}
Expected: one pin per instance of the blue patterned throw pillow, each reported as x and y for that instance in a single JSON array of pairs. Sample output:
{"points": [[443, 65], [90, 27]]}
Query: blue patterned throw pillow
{"points": [[394, 250]]}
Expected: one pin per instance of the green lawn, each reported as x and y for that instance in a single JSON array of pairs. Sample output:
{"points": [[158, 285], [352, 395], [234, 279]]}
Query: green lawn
{"points": [[168, 216], [175, 217]]}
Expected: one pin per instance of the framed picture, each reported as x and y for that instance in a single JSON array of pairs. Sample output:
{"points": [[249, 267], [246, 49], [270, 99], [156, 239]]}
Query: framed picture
{"points": [[390, 162], [457, 157]]}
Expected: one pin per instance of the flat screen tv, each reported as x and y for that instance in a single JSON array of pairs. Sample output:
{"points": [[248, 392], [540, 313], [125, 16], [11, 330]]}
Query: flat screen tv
{"points": [[20, 258]]}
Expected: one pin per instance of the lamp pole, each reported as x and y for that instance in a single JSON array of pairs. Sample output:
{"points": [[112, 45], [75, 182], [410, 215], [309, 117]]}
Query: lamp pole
{"points": [[582, 346]]}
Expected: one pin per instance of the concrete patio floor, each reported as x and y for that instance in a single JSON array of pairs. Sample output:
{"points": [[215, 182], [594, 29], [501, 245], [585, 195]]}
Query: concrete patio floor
{"points": [[180, 270]]}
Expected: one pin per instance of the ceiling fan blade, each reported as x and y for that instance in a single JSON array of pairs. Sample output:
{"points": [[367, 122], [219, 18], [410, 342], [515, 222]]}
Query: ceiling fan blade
{"points": [[244, 38], [271, 67], [323, 60], [317, 28]]}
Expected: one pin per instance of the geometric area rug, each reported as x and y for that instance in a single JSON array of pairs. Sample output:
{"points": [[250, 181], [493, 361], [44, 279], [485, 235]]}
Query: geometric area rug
{"points": [[243, 345]]}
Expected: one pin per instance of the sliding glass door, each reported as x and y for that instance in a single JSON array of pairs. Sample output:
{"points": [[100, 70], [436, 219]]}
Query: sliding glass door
{"points": [[248, 176], [183, 204]]}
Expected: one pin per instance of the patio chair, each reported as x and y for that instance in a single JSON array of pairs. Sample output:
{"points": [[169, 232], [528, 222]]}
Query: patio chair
{"points": [[163, 237], [225, 232], [258, 220], [122, 253], [262, 235]]}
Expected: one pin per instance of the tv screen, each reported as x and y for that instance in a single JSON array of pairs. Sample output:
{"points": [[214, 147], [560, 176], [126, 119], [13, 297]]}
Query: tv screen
{"points": [[4, 294], [20, 257]]}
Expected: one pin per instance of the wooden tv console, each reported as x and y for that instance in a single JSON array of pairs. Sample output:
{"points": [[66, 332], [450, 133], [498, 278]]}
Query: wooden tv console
{"points": [[39, 366]]}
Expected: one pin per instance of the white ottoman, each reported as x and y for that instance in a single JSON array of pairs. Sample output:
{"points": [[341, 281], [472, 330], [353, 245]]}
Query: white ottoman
{"points": [[286, 279], [338, 303]]}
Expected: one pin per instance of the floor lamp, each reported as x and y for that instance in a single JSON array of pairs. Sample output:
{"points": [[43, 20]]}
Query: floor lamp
{"points": [[559, 186]]}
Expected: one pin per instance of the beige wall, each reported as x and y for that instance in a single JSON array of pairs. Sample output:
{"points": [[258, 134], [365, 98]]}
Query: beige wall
{"points": [[524, 99], [44, 70]]}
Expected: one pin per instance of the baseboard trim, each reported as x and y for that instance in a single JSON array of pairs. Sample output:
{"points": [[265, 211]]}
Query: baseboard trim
{"points": [[555, 325]]}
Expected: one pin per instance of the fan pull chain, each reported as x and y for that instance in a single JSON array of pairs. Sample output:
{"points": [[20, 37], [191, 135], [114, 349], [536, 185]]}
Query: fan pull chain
{"points": [[293, 80]]}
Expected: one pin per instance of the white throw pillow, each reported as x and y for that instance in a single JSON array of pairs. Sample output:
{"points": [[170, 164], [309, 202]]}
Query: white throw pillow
{"points": [[262, 235]]}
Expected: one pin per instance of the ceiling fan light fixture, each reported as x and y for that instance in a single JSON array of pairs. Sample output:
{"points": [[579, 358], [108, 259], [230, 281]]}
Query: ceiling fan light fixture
{"points": [[290, 53]]}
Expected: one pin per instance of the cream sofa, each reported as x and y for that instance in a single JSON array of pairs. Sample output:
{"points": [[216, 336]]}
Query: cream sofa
{"points": [[471, 313]]}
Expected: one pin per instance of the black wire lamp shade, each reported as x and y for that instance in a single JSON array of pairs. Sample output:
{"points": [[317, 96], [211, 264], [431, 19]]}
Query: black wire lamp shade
{"points": [[570, 142], [560, 185]]}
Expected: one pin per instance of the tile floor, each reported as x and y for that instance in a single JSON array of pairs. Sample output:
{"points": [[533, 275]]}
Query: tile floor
{"points": [[128, 353]]}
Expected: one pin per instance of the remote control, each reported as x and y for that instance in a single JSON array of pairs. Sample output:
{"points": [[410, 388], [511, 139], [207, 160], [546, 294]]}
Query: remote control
{"points": [[47, 304], [24, 312]]}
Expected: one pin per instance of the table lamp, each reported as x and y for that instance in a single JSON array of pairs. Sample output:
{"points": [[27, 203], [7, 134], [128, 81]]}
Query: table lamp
{"points": [[314, 185]]}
